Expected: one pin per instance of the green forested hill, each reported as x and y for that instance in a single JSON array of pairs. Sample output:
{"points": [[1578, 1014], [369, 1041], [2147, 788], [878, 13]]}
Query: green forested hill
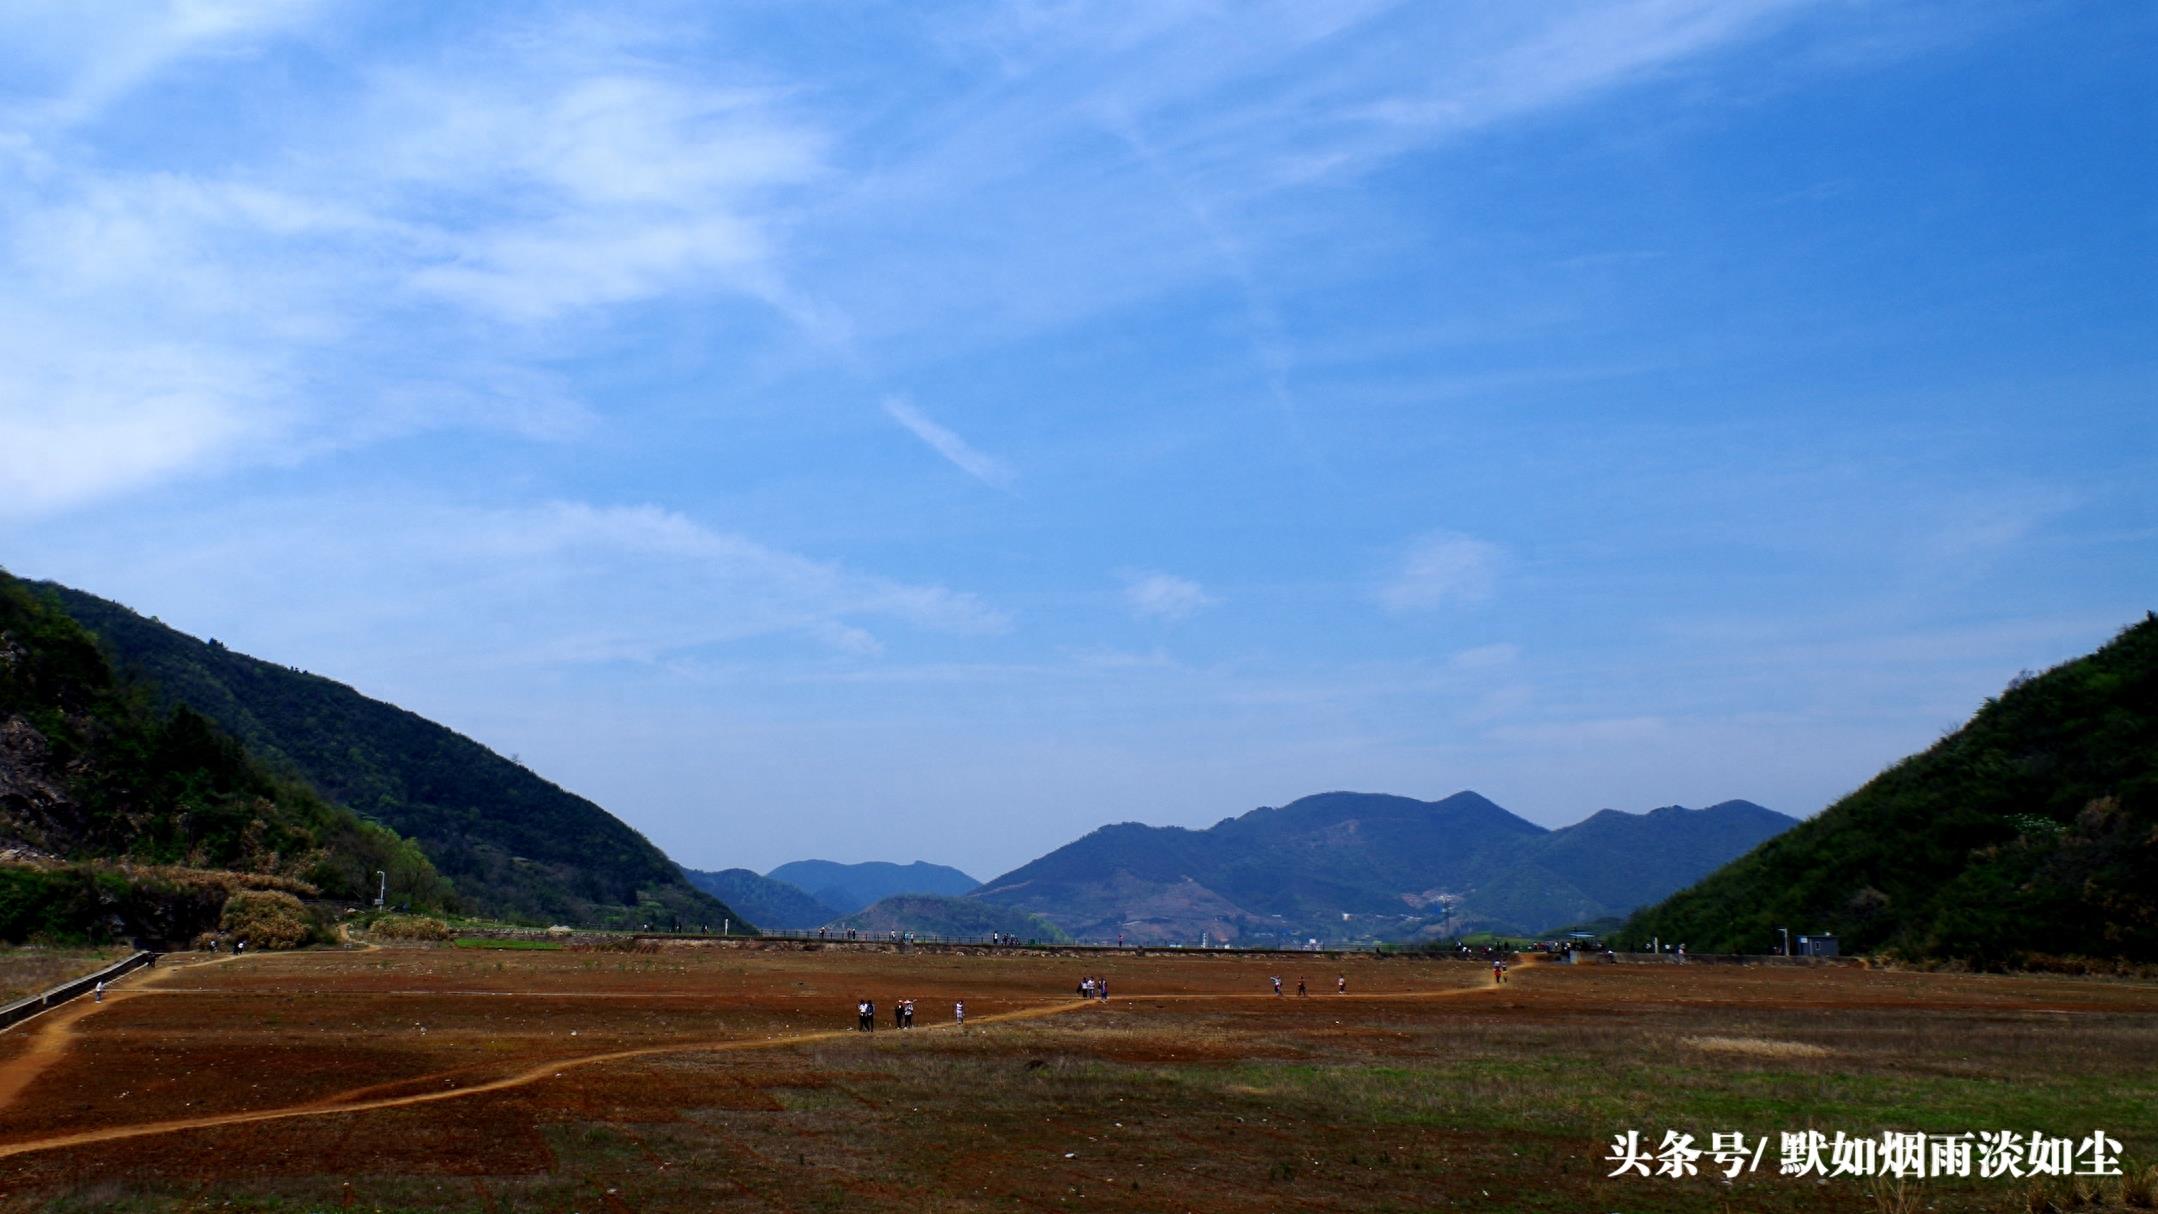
{"points": [[2032, 830], [92, 768], [516, 845]]}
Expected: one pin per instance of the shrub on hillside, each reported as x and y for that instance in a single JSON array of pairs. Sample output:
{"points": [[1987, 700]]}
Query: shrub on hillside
{"points": [[265, 918], [408, 927]]}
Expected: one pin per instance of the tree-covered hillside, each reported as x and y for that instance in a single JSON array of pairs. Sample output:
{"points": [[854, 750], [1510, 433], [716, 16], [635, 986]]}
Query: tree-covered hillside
{"points": [[1621, 860], [2032, 830], [516, 845], [92, 767]]}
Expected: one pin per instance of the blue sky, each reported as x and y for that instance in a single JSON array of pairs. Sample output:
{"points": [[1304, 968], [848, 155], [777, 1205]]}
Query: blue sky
{"points": [[896, 431]]}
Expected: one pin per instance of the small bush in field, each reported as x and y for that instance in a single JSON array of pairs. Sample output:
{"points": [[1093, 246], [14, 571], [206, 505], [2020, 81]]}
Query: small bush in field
{"points": [[408, 927], [265, 918]]}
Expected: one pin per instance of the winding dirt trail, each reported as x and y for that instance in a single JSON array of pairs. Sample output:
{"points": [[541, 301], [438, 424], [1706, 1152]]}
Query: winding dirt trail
{"points": [[535, 1074], [49, 1038], [57, 1029], [51, 1032]]}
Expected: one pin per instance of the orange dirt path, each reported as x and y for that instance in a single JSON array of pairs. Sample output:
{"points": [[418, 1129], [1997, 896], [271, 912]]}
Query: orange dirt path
{"points": [[51, 1032]]}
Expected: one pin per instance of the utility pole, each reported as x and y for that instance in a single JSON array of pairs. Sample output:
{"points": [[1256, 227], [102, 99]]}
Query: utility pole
{"points": [[1786, 940], [382, 892]]}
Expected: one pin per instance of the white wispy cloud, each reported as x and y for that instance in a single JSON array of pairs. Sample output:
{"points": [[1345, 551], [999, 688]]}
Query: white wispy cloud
{"points": [[1164, 596], [514, 188], [1222, 116], [625, 185], [89, 55], [1442, 569], [410, 266], [976, 463]]}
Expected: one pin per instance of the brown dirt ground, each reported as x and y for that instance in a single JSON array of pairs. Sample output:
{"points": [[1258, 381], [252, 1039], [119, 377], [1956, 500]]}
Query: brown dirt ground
{"points": [[707, 1078]]}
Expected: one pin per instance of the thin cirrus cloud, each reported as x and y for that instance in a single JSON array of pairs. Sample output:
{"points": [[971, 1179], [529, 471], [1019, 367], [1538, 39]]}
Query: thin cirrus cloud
{"points": [[340, 295], [540, 173], [1164, 596], [980, 465], [1443, 569]]}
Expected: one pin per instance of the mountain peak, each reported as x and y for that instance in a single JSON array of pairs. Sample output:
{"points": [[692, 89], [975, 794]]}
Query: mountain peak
{"points": [[1383, 864], [851, 887]]}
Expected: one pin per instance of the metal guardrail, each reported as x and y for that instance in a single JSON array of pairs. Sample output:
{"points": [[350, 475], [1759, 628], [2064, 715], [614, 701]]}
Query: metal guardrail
{"points": [[23, 1009]]}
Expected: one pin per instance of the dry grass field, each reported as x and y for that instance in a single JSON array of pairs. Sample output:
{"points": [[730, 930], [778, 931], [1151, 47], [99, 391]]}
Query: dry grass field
{"points": [[696, 1078], [27, 971]]}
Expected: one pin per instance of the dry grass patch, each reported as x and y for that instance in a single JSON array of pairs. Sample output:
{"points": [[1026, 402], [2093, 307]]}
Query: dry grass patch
{"points": [[1754, 1047], [30, 971]]}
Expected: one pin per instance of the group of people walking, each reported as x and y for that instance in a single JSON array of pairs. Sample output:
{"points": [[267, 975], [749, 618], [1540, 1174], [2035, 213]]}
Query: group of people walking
{"points": [[865, 1014], [1303, 989], [1094, 988]]}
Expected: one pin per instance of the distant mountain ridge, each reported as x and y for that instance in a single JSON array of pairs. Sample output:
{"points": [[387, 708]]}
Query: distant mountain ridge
{"points": [[769, 904], [2030, 832], [1373, 866], [933, 915], [514, 844], [851, 887]]}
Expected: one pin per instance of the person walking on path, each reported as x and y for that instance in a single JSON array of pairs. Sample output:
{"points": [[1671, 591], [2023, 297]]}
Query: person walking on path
{"points": [[100, 995], [1341, 985], [1277, 987], [959, 1013], [1302, 991]]}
